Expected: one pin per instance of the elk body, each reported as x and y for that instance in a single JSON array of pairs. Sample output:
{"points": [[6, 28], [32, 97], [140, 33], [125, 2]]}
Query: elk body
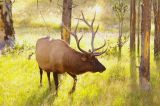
{"points": [[55, 55]]}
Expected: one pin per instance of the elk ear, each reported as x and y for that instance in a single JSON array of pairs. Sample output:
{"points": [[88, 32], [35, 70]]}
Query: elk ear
{"points": [[83, 58]]}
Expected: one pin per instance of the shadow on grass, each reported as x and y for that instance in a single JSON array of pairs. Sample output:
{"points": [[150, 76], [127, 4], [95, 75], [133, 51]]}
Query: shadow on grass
{"points": [[147, 98], [71, 99], [45, 98], [139, 97], [134, 89]]}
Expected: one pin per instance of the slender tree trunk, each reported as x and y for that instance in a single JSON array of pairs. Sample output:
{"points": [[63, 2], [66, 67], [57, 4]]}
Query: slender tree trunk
{"points": [[6, 24], [132, 41], [66, 19], [2, 28], [145, 45], [138, 28], [120, 40], [156, 8]]}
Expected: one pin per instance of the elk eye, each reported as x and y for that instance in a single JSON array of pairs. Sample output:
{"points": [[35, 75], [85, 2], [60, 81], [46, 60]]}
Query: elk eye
{"points": [[91, 61]]}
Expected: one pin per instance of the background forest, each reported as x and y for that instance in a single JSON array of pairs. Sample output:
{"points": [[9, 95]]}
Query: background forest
{"points": [[117, 86]]}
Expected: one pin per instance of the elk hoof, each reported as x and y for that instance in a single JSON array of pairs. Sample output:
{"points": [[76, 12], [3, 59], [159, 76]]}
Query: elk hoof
{"points": [[40, 86], [50, 88], [56, 93], [71, 92]]}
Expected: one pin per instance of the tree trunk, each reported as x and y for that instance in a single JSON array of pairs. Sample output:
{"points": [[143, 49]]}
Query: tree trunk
{"points": [[6, 24], [145, 45], [66, 20], [132, 41], [138, 28], [120, 40], [156, 8]]}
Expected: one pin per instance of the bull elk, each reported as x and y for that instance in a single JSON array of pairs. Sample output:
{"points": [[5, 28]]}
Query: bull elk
{"points": [[55, 55]]}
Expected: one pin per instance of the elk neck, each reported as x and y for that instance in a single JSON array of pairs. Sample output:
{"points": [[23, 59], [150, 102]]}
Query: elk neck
{"points": [[73, 62]]}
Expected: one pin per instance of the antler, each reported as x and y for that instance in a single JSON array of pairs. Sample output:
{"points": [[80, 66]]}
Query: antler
{"points": [[74, 34], [93, 51], [93, 35]]}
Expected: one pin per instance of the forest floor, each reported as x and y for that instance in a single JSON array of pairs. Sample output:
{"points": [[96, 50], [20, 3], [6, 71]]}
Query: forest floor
{"points": [[19, 79]]}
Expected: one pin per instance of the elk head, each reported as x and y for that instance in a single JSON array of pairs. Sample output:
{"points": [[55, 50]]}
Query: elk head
{"points": [[89, 58]]}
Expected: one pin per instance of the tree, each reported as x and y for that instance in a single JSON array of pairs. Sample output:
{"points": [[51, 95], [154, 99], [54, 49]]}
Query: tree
{"points": [[156, 8], [132, 40], [6, 24], [120, 8], [145, 45], [138, 28], [66, 19]]}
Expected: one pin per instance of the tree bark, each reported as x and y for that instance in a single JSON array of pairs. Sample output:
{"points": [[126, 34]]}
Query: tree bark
{"points": [[156, 8], [6, 24], [145, 45], [66, 20], [132, 42], [138, 28]]}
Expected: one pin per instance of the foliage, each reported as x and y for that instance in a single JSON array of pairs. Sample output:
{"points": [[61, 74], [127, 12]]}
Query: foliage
{"points": [[120, 7], [18, 49]]}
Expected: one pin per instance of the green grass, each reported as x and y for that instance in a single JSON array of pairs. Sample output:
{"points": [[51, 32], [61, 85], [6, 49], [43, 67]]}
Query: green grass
{"points": [[19, 79]]}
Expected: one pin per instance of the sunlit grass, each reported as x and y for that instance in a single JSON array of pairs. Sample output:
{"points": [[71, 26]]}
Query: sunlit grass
{"points": [[19, 79]]}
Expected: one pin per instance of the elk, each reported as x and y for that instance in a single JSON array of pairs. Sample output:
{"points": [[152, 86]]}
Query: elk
{"points": [[55, 55]]}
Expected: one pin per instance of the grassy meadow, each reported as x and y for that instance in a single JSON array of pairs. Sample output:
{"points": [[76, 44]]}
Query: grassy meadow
{"points": [[19, 80], [19, 76]]}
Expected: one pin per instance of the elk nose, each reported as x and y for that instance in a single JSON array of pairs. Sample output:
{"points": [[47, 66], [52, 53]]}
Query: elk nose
{"points": [[103, 69]]}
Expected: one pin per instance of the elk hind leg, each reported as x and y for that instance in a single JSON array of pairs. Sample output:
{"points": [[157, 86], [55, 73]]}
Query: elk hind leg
{"points": [[41, 73], [74, 84], [49, 80], [55, 76]]}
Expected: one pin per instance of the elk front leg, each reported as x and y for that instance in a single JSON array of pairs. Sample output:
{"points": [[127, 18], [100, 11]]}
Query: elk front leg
{"points": [[49, 81], [74, 84], [55, 76], [41, 73]]}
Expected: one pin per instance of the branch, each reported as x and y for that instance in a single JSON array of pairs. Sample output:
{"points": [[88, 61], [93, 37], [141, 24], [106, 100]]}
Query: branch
{"points": [[59, 4]]}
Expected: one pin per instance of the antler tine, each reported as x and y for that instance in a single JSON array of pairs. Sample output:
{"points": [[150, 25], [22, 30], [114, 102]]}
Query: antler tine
{"points": [[97, 29], [100, 47], [93, 33], [93, 37], [84, 20], [68, 30], [92, 41], [100, 53], [78, 41], [75, 31], [93, 19], [78, 45], [75, 36]]}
